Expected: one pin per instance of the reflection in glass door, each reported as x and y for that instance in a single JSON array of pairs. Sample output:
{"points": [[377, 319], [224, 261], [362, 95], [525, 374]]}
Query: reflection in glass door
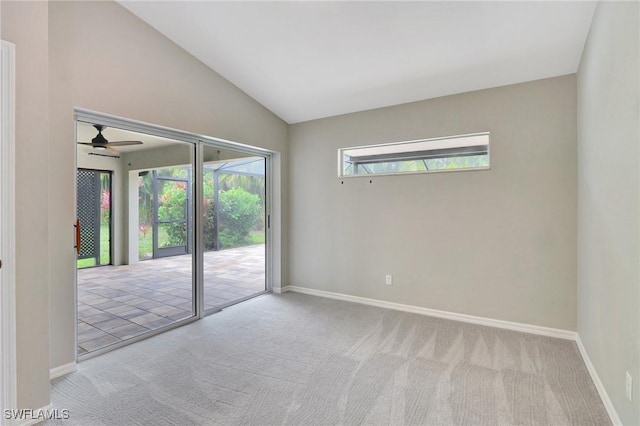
{"points": [[234, 227], [149, 285]]}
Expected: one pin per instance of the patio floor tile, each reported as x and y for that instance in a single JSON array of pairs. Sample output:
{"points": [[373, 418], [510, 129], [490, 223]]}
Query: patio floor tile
{"points": [[132, 313], [94, 319], [148, 317], [110, 324], [90, 334], [118, 302]]}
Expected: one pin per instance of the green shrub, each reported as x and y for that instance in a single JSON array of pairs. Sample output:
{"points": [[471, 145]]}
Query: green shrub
{"points": [[208, 224], [239, 213], [172, 205]]}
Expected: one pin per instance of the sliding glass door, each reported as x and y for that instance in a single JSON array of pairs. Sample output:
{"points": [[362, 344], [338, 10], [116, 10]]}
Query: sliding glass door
{"points": [[148, 284], [185, 223], [234, 214]]}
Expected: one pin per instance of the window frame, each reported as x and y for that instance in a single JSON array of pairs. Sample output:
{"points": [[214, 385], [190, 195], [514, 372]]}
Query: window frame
{"points": [[407, 154]]}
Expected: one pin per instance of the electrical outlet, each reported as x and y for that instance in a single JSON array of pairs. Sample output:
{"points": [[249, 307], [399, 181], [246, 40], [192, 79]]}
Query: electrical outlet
{"points": [[388, 280], [629, 387]]}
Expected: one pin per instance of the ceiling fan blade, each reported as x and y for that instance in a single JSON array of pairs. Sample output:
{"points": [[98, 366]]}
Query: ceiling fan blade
{"points": [[124, 143], [86, 143], [111, 151]]}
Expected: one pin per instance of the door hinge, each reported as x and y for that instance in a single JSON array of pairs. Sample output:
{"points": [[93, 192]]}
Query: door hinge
{"points": [[268, 221]]}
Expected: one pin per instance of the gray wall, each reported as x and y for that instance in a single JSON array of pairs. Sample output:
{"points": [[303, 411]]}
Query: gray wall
{"points": [[498, 243], [25, 25], [609, 201]]}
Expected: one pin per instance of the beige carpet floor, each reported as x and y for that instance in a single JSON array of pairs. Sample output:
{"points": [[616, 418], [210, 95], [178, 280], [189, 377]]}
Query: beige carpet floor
{"points": [[302, 360]]}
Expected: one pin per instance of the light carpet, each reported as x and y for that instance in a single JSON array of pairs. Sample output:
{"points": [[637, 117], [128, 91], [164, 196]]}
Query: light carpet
{"points": [[295, 359]]}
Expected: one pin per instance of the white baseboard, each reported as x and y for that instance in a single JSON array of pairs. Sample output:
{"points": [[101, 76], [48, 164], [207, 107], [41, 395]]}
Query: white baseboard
{"points": [[62, 370], [33, 421], [508, 325], [598, 383]]}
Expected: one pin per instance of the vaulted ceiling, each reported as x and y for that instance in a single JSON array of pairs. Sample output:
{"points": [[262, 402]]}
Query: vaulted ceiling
{"points": [[307, 60]]}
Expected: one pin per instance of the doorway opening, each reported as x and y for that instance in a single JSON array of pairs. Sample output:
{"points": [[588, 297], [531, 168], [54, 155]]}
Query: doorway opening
{"points": [[187, 231], [94, 216], [164, 212]]}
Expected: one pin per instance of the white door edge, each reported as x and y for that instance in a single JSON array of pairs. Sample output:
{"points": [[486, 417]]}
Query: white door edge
{"points": [[7, 229]]}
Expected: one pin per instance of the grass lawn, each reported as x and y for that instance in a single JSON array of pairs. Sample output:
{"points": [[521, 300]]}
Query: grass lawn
{"points": [[105, 256], [145, 243], [258, 237]]}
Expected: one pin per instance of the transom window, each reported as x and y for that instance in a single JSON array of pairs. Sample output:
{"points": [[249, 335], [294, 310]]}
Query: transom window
{"points": [[452, 153]]}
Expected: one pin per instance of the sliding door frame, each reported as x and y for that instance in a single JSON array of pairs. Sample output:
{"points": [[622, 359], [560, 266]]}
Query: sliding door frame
{"points": [[197, 142], [268, 259]]}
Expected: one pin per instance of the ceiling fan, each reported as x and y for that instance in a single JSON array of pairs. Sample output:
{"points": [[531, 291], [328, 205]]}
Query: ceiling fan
{"points": [[102, 144]]}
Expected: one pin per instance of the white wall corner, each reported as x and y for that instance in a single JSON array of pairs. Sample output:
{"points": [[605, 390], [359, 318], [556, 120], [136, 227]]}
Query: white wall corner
{"points": [[608, 405], [62, 370]]}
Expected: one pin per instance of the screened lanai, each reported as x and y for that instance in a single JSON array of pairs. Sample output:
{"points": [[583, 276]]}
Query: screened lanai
{"points": [[247, 174]]}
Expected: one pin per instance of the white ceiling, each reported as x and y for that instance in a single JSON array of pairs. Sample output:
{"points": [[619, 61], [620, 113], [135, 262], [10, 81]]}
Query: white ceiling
{"points": [[307, 60]]}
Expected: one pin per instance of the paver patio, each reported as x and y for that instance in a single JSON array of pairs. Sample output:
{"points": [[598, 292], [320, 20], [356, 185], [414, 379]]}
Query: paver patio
{"points": [[116, 303]]}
